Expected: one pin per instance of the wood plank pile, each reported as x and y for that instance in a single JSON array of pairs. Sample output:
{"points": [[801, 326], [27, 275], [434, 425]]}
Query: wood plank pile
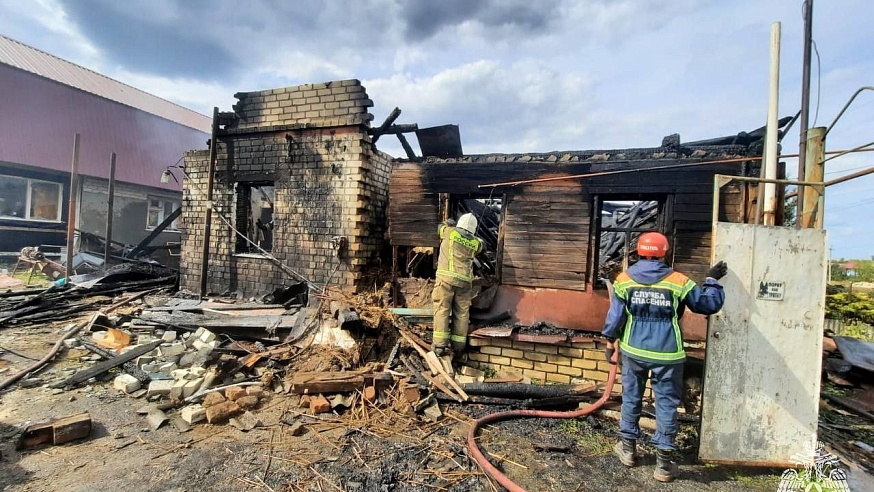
{"points": [[640, 215]]}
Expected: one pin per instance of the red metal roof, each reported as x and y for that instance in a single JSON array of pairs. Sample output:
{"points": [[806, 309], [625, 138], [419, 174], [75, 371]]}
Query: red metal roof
{"points": [[39, 117], [30, 59]]}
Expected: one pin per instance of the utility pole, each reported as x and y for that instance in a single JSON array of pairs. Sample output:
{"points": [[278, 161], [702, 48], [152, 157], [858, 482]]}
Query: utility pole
{"points": [[804, 119], [812, 200]]}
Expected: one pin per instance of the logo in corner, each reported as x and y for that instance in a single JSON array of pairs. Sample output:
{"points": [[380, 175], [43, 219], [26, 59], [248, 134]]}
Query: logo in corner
{"points": [[821, 473]]}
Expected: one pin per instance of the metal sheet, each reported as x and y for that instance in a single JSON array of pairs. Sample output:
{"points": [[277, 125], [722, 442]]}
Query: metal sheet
{"points": [[857, 352], [440, 141], [764, 355]]}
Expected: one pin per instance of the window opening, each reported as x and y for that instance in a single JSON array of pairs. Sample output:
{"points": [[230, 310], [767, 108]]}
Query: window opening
{"points": [[620, 222], [30, 199], [488, 211], [160, 209], [255, 216]]}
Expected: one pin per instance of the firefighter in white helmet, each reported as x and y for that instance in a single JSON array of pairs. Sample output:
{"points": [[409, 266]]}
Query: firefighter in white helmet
{"points": [[453, 290]]}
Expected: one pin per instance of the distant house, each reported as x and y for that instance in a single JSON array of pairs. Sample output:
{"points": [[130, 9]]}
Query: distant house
{"points": [[849, 269], [46, 100]]}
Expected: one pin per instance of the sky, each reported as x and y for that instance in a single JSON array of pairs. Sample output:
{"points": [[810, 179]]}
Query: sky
{"points": [[515, 75]]}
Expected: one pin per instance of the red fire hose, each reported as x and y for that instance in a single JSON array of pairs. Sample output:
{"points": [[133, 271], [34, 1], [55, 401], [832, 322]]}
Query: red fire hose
{"points": [[493, 472]]}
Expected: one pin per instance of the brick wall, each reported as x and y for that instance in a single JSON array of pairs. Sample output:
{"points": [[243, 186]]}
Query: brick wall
{"points": [[565, 362], [312, 143]]}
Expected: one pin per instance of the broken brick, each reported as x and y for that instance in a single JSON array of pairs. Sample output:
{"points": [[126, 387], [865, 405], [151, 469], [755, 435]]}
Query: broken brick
{"points": [[235, 392], [221, 412], [304, 401], [255, 391], [319, 404], [247, 402], [370, 394], [213, 398]]}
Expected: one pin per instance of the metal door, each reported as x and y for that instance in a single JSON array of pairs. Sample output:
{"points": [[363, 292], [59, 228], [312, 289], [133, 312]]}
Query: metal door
{"points": [[764, 348]]}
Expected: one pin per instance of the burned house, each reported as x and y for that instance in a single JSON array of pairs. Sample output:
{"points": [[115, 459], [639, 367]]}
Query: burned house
{"points": [[559, 226], [299, 191], [46, 101]]}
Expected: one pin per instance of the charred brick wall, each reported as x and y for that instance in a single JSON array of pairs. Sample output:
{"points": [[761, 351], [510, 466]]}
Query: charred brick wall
{"points": [[311, 144]]}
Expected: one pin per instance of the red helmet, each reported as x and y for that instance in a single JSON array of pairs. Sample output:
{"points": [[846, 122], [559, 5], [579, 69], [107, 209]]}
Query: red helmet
{"points": [[652, 245]]}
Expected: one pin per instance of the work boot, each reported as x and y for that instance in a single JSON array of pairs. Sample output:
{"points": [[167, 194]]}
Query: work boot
{"points": [[666, 470], [626, 450]]}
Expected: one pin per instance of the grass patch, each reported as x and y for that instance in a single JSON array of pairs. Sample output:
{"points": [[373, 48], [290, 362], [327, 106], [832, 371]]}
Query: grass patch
{"points": [[590, 442], [755, 480]]}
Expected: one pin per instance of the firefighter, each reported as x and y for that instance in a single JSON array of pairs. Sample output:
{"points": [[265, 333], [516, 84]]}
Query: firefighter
{"points": [[453, 289], [648, 300]]}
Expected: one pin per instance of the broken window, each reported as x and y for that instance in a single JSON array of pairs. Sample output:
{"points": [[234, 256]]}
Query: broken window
{"points": [[619, 223], [160, 209], [488, 212], [254, 203], [29, 199]]}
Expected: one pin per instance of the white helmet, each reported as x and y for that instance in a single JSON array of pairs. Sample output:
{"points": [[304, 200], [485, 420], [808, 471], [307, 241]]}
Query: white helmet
{"points": [[468, 223]]}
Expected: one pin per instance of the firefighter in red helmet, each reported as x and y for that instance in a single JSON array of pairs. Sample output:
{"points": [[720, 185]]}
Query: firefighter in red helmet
{"points": [[648, 300]]}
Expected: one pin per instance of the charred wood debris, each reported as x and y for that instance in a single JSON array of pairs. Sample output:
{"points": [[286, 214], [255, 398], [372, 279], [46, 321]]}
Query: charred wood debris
{"points": [[326, 356]]}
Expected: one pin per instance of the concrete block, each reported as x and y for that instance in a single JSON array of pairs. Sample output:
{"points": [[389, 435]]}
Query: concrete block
{"points": [[193, 414], [159, 387], [126, 383], [176, 390], [196, 372], [187, 359], [191, 387], [173, 349], [168, 367], [144, 359], [169, 336], [207, 336], [179, 374]]}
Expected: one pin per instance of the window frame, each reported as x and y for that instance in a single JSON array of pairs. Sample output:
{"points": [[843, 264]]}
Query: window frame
{"points": [[663, 225], [161, 209], [242, 248], [29, 200]]}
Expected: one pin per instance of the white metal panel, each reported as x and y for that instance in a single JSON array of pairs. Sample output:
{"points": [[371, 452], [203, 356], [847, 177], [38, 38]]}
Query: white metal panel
{"points": [[764, 349]]}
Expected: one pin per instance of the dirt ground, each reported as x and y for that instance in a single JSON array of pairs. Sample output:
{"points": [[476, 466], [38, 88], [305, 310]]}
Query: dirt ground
{"points": [[369, 448]]}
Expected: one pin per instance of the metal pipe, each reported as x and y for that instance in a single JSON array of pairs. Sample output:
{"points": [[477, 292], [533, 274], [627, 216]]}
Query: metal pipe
{"points": [[807, 13], [210, 181], [483, 462], [71, 210], [770, 198], [109, 212], [846, 106]]}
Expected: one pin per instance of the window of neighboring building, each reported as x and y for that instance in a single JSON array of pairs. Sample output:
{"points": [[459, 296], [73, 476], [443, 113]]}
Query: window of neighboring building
{"points": [[619, 223], [254, 216], [30, 199], [160, 209]]}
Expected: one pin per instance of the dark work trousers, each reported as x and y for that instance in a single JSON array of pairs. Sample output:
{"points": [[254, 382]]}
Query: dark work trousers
{"points": [[667, 385]]}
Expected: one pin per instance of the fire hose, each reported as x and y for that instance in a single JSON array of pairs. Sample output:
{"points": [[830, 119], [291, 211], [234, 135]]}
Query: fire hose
{"points": [[490, 469]]}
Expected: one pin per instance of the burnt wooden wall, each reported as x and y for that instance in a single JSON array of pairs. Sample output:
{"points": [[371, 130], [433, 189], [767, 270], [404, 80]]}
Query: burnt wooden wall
{"points": [[413, 210], [546, 236], [547, 225]]}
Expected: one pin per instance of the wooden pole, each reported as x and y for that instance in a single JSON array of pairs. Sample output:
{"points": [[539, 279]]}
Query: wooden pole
{"points": [[71, 210], [107, 250], [770, 167], [210, 180], [811, 214]]}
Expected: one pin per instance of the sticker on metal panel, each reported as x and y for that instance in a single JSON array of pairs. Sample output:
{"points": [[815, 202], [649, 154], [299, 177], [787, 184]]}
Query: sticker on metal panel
{"points": [[771, 291]]}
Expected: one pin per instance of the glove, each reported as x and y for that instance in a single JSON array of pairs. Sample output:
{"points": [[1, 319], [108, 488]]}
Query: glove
{"points": [[718, 270], [450, 222], [609, 351]]}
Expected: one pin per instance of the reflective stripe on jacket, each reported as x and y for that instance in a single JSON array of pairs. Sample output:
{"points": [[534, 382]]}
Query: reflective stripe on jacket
{"points": [[648, 301], [457, 250]]}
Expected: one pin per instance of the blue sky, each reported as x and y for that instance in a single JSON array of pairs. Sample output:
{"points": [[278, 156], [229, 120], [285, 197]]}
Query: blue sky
{"points": [[516, 75]]}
